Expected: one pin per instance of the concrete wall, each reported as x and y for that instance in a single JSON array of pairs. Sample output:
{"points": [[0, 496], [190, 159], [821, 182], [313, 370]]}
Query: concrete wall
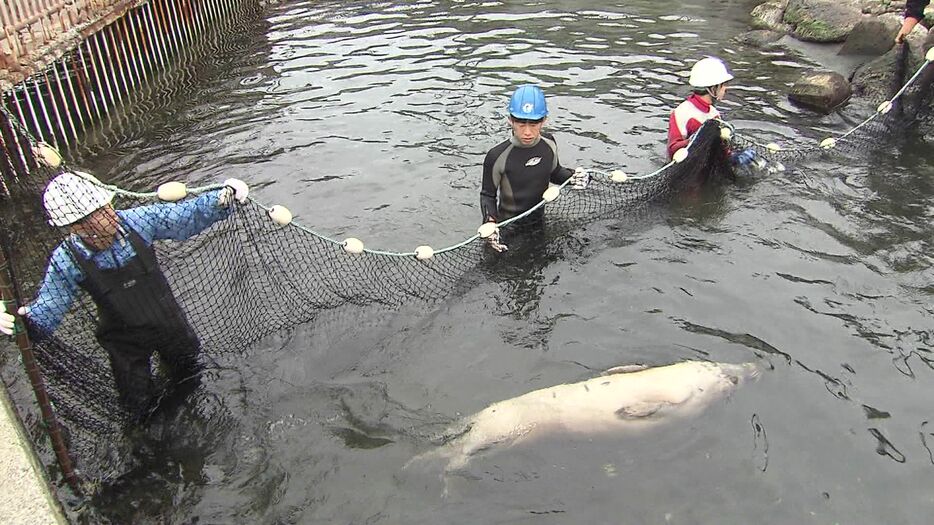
{"points": [[25, 498]]}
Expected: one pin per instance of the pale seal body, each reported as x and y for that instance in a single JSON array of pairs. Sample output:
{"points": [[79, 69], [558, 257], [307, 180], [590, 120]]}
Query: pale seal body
{"points": [[620, 402]]}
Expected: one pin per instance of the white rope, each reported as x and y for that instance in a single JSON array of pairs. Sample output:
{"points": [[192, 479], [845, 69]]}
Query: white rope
{"points": [[883, 108]]}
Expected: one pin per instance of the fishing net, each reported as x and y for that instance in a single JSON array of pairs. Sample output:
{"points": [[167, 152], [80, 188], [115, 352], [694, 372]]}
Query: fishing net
{"points": [[902, 103], [238, 272], [227, 265]]}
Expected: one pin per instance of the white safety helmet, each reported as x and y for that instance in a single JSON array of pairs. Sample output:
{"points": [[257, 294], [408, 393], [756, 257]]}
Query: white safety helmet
{"points": [[709, 72], [72, 196]]}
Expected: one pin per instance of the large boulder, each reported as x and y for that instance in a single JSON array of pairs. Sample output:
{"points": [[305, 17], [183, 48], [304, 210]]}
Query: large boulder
{"points": [[769, 16], [822, 20], [926, 43], [872, 36], [881, 78], [821, 91]]}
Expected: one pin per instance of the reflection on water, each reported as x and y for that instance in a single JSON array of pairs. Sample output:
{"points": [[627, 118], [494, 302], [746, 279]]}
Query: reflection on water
{"points": [[372, 120]]}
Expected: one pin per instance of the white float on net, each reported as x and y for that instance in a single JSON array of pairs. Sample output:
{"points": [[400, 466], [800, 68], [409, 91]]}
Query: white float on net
{"points": [[280, 215], [353, 245], [172, 191], [618, 176], [486, 229], [48, 155], [424, 252], [551, 193], [680, 155], [828, 143]]}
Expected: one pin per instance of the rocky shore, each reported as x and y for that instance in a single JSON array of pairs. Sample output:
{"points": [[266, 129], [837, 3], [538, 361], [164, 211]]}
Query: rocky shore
{"points": [[862, 33]]}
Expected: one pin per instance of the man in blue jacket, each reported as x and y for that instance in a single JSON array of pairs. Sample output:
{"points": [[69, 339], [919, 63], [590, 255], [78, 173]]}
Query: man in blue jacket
{"points": [[109, 255]]}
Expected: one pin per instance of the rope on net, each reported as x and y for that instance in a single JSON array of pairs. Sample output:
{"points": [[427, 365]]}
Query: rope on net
{"points": [[281, 215], [852, 138]]}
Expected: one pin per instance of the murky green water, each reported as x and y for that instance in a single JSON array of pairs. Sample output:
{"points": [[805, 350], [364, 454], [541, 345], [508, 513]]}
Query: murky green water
{"points": [[372, 119]]}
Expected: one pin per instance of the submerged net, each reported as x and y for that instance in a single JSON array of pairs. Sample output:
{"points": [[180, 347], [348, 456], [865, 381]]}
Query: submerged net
{"points": [[905, 105], [235, 275]]}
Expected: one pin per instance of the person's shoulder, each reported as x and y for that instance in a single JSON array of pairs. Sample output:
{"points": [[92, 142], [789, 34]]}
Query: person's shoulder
{"points": [[549, 140], [61, 255], [686, 103], [497, 150], [129, 216]]}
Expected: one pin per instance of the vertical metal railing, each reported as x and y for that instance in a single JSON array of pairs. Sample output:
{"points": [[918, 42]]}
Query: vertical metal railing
{"points": [[108, 68]]}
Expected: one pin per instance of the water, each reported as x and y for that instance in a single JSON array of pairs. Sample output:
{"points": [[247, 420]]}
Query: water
{"points": [[371, 120]]}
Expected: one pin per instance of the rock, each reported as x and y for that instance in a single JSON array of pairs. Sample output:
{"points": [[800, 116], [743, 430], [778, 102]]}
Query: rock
{"points": [[769, 16], [919, 41], [822, 91], [761, 38], [872, 36], [926, 44], [878, 7], [881, 78], [822, 20]]}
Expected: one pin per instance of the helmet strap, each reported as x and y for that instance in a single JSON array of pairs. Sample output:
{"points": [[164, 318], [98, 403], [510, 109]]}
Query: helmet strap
{"points": [[713, 92]]}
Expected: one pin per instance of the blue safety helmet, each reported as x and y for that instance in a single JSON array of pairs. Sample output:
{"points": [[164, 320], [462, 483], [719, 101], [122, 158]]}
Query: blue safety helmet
{"points": [[528, 102]]}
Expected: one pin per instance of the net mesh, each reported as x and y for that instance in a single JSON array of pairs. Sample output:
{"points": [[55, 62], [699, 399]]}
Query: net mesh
{"points": [[224, 262], [903, 102]]}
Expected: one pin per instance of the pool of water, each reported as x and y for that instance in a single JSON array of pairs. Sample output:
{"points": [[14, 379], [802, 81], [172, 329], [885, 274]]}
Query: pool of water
{"points": [[372, 119]]}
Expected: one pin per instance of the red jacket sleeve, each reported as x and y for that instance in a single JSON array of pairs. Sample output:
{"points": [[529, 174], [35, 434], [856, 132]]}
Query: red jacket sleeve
{"points": [[675, 140]]}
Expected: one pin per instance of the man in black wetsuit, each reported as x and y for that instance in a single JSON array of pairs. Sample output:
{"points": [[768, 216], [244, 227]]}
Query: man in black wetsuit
{"points": [[517, 172]]}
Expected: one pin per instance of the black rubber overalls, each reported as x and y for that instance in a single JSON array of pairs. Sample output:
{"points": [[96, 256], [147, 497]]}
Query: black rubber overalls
{"points": [[138, 316]]}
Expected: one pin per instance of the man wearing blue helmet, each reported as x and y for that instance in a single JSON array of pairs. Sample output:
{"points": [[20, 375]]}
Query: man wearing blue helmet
{"points": [[517, 171]]}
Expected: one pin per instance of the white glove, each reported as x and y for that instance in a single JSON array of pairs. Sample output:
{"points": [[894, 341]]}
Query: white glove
{"points": [[493, 241], [235, 188], [580, 179], [7, 321]]}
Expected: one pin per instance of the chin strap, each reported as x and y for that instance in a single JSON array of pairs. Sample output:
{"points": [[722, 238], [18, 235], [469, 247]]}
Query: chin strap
{"points": [[712, 91]]}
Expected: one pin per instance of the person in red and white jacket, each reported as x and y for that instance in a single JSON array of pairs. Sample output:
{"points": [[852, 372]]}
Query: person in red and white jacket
{"points": [[708, 80]]}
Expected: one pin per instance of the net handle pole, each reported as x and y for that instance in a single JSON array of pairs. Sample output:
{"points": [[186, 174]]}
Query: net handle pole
{"points": [[10, 296]]}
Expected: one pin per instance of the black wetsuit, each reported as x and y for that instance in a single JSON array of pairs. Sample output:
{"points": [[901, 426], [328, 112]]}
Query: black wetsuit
{"points": [[138, 316], [518, 175], [915, 8]]}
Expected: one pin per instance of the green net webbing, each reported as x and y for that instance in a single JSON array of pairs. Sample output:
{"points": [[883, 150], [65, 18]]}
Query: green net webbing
{"points": [[206, 276]]}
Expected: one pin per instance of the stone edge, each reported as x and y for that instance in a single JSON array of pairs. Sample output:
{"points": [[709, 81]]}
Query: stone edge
{"points": [[9, 418]]}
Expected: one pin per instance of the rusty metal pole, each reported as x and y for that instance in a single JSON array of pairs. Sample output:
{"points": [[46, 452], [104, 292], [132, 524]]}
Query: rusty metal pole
{"points": [[10, 296]]}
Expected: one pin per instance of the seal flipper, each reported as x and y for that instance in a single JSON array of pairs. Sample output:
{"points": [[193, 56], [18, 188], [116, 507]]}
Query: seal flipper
{"points": [[641, 410], [644, 409], [624, 369]]}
